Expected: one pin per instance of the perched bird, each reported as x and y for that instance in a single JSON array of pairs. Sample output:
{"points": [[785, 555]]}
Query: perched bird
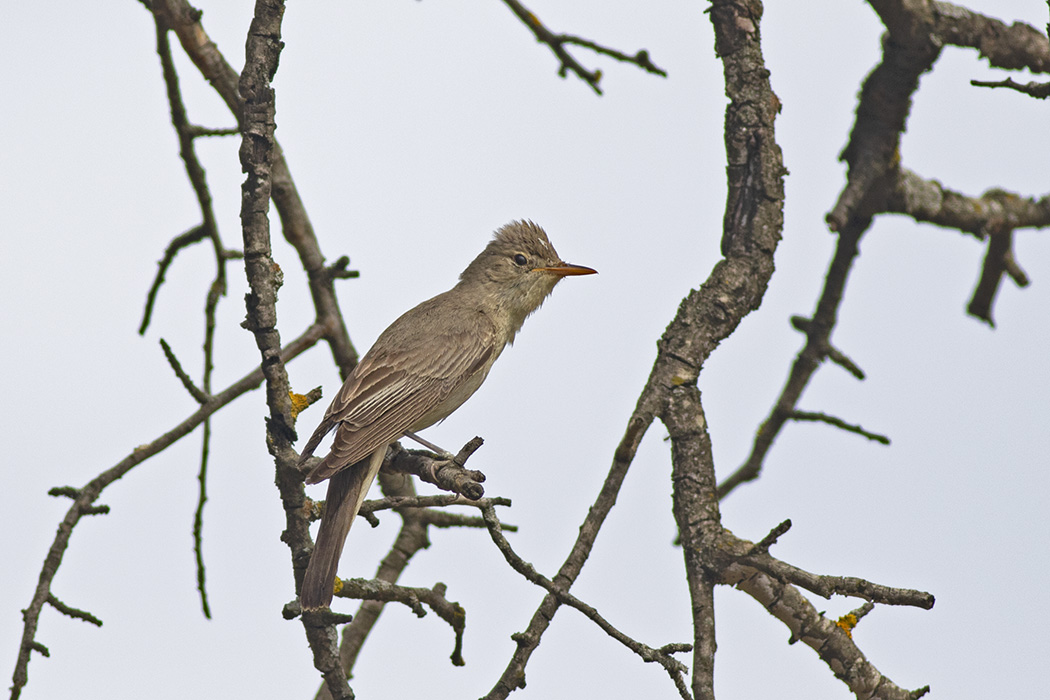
{"points": [[421, 369]]}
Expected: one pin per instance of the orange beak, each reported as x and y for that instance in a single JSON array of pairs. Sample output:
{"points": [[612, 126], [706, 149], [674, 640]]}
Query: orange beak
{"points": [[567, 270]]}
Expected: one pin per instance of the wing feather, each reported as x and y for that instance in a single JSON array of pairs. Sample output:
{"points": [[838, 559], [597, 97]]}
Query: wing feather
{"points": [[404, 378]]}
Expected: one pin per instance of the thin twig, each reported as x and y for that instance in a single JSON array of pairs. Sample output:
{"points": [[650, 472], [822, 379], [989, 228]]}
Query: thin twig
{"points": [[72, 612], [810, 416], [196, 131], [84, 497], [675, 668], [397, 502], [187, 133], [198, 395], [557, 43], [183, 240], [1034, 89], [763, 545], [444, 519]]}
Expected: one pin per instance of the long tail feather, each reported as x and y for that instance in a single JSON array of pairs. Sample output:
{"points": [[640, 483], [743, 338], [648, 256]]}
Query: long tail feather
{"points": [[346, 493]]}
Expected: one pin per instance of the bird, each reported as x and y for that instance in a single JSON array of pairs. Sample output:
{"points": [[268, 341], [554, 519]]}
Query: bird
{"points": [[421, 369]]}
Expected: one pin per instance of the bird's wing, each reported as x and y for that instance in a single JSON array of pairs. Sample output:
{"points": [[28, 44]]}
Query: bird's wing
{"points": [[391, 389]]}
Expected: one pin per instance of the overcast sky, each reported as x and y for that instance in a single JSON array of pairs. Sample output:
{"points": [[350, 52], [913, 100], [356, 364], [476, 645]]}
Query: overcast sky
{"points": [[413, 130]]}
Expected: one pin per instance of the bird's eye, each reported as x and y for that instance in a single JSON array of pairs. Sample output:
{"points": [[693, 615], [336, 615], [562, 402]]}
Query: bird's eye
{"points": [[520, 260]]}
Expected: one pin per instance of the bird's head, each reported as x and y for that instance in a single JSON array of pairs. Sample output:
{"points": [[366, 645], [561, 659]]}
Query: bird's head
{"points": [[518, 269]]}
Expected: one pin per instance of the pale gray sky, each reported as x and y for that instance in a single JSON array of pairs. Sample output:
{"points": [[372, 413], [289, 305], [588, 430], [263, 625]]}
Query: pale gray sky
{"points": [[413, 130]]}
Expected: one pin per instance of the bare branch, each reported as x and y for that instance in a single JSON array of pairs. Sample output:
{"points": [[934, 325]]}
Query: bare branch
{"points": [[444, 519], [980, 305], [379, 590], [763, 545], [996, 210], [338, 269], [831, 643], [885, 101], [185, 21], [183, 240], [752, 228], [72, 612], [258, 149], [675, 669], [84, 498], [838, 423], [187, 133], [448, 475], [399, 502], [196, 131], [198, 395], [640, 59], [831, 352], [827, 586], [557, 43], [876, 182], [1033, 89], [848, 622], [1012, 47], [514, 675]]}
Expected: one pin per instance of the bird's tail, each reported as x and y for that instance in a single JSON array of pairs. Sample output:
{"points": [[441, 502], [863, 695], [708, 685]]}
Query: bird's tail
{"points": [[346, 492]]}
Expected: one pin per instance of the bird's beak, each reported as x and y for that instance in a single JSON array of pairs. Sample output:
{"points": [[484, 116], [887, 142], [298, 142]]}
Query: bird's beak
{"points": [[565, 269]]}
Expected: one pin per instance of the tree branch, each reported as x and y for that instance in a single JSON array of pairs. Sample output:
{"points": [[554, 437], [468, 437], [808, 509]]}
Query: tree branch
{"points": [[557, 43], [185, 21], [674, 668], [831, 643], [838, 423], [1040, 91], [413, 598], [85, 497]]}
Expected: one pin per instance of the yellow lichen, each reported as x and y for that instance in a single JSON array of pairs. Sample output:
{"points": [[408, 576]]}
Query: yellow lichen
{"points": [[299, 403], [846, 623]]}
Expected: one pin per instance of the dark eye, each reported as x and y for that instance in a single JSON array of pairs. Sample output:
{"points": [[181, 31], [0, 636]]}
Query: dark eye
{"points": [[520, 260]]}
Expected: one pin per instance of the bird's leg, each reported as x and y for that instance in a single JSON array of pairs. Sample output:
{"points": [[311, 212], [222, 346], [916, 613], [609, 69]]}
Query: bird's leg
{"points": [[444, 454]]}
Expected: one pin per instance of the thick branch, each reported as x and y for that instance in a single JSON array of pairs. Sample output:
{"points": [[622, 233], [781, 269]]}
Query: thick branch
{"points": [[831, 643], [996, 210], [753, 224], [827, 586], [257, 153], [885, 101], [1013, 47], [751, 230]]}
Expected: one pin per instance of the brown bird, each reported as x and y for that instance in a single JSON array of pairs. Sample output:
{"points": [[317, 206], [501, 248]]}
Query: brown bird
{"points": [[421, 369]]}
